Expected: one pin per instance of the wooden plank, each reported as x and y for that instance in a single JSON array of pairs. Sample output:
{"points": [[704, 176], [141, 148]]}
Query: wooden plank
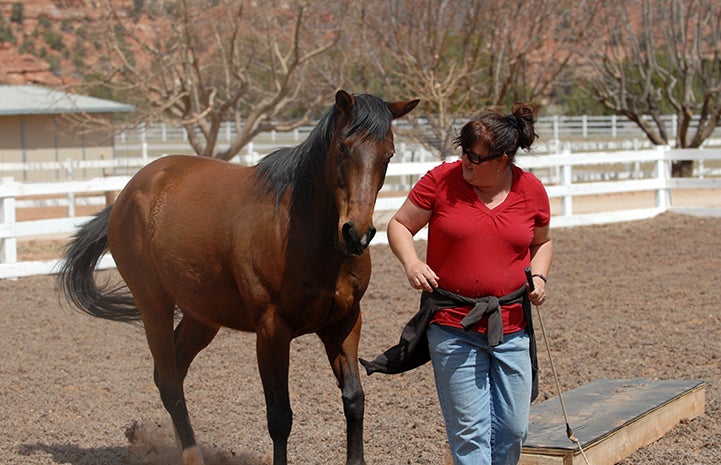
{"points": [[611, 418]]}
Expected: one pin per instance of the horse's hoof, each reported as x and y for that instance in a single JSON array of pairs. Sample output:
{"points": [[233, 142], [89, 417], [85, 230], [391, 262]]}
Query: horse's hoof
{"points": [[193, 456]]}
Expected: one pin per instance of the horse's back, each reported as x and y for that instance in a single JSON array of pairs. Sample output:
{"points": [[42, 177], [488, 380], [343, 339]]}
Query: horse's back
{"points": [[180, 173], [175, 190]]}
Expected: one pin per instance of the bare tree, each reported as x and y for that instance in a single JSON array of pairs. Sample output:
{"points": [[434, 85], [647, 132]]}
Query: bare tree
{"points": [[663, 56], [458, 56], [260, 65]]}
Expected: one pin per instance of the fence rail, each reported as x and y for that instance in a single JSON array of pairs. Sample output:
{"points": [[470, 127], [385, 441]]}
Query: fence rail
{"points": [[567, 178], [559, 126]]}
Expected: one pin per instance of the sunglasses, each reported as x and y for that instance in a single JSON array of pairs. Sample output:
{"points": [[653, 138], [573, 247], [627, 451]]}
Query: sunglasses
{"points": [[477, 159]]}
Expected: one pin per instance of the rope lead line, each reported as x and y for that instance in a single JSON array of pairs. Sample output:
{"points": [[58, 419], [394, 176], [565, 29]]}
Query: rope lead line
{"points": [[569, 431]]}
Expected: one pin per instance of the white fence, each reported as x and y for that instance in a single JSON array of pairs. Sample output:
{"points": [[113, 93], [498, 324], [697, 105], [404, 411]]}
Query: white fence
{"points": [[560, 127], [576, 133], [567, 177]]}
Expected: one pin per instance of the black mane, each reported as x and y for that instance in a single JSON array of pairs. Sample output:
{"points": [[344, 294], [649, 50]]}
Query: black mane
{"points": [[297, 168]]}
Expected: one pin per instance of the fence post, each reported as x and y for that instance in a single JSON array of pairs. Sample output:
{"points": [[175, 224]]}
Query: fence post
{"points": [[250, 155], [663, 173], [567, 180], [674, 125], [69, 168], [9, 247], [701, 167]]}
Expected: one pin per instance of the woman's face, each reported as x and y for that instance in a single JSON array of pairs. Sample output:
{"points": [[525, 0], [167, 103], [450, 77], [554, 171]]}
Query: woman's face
{"points": [[485, 173]]}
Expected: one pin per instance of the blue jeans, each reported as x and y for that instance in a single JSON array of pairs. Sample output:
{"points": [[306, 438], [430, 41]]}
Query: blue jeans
{"points": [[484, 393]]}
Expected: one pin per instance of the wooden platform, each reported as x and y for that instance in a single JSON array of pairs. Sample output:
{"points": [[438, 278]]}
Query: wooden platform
{"points": [[611, 418]]}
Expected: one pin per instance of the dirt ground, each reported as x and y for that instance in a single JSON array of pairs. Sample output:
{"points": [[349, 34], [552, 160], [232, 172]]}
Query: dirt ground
{"points": [[627, 300]]}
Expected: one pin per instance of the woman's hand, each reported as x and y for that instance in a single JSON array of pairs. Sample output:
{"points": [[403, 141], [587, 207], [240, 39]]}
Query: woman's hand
{"points": [[421, 276], [538, 296]]}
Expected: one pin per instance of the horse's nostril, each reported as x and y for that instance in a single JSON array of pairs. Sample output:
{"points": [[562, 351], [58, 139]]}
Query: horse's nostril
{"points": [[348, 232], [371, 234], [355, 243]]}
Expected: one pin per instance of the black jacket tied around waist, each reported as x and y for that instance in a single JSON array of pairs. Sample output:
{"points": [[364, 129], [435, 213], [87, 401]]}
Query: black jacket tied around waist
{"points": [[412, 348]]}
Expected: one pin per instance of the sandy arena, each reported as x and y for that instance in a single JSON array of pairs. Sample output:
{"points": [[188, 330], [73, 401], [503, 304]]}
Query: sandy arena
{"points": [[626, 300]]}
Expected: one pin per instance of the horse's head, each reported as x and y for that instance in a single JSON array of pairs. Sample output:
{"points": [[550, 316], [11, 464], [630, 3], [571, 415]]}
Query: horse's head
{"points": [[360, 150]]}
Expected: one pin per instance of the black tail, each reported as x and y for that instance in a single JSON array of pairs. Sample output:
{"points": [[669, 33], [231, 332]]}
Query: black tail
{"points": [[76, 278]]}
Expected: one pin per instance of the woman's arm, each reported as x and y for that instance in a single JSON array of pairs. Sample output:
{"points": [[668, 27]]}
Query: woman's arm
{"points": [[541, 257], [406, 222]]}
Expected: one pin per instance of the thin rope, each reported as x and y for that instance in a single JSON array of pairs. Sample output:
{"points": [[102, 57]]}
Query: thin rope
{"points": [[569, 431]]}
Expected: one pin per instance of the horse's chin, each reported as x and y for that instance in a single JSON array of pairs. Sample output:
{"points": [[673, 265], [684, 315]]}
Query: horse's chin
{"points": [[350, 249], [354, 250]]}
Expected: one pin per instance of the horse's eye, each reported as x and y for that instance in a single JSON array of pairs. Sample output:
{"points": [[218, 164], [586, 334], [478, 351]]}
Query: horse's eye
{"points": [[344, 148]]}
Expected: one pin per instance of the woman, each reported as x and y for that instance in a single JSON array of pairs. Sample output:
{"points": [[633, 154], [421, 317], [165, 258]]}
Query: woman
{"points": [[487, 221]]}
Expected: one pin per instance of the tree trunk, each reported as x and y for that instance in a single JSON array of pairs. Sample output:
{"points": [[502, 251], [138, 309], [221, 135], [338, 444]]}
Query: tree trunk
{"points": [[682, 168]]}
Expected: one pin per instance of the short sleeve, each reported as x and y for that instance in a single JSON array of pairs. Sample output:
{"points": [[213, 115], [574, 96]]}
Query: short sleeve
{"points": [[423, 193], [543, 205]]}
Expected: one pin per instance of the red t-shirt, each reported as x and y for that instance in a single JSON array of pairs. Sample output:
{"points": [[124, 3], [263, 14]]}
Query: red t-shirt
{"points": [[477, 251]]}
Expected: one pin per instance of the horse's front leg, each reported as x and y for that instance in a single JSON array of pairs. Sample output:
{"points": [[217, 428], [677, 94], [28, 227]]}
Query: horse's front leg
{"points": [[341, 345], [273, 352]]}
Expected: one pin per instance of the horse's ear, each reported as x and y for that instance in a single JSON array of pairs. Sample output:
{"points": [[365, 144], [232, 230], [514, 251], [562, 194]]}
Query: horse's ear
{"points": [[344, 101], [399, 109]]}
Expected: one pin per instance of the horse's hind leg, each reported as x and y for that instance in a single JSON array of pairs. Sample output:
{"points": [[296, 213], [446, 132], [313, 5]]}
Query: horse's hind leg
{"points": [[341, 345], [190, 337], [273, 352], [158, 311]]}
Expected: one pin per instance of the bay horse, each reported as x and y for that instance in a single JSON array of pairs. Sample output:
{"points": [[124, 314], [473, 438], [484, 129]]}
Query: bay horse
{"points": [[279, 249]]}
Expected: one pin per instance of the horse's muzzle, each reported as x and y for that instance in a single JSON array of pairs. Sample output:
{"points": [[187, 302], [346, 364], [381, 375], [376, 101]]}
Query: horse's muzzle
{"points": [[356, 243]]}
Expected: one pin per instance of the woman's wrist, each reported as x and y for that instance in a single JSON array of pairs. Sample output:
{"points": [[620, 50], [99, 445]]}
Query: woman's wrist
{"points": [[539, 275]]}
